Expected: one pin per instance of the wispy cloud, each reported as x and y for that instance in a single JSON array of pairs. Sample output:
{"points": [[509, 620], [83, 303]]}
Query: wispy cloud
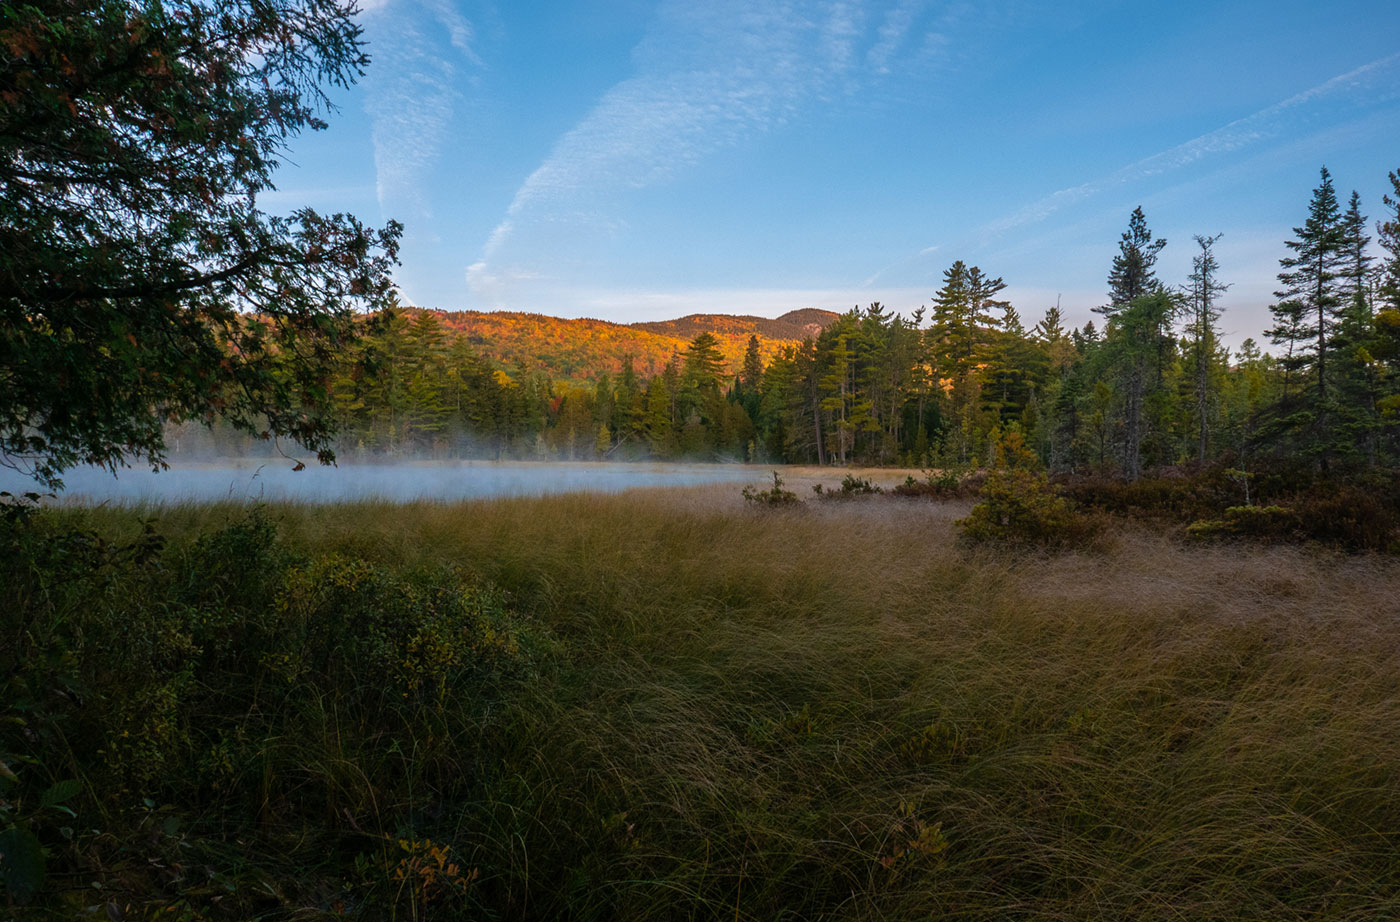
{"points": [[892, 33], [707, 76], [1367, 87], [423, 52], [1375, 83]]}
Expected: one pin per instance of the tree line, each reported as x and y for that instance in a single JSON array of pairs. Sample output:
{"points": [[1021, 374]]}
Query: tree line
{"points": [[1148, 384]]}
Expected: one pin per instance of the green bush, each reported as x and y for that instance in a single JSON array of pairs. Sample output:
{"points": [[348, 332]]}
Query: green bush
{"points": [[1267, 522], [851, 487], [1021, 506], [257, 689], [777, 496]]}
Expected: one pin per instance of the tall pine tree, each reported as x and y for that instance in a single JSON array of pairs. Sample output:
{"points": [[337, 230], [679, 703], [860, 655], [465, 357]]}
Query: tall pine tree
{"points": [[1132, 275], [1205, 286], [1388, 236], [1310, 274]]}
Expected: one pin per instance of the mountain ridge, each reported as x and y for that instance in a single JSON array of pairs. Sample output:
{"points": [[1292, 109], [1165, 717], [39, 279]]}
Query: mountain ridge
{"points": [[581, 348]]}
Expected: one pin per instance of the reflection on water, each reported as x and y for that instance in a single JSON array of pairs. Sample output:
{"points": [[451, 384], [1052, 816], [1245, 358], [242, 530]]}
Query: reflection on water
{"points": [[252, 481]]}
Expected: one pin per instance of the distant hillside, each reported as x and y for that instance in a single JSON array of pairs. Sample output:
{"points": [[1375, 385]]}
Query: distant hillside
{"points": [[794, 326], [582, 349]]}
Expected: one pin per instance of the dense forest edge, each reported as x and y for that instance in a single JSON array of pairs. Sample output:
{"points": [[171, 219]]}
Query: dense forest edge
{"points": [[1148, 386]]}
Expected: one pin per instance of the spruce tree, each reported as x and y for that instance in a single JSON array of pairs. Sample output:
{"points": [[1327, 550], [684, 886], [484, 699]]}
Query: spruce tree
{"points": [[1355, 266], [1132, 291], [1388, 236], [1205, 286], [776, 395], [1356, 373], [752, 374], [1132, 341], [657, 421], [747, 391], [1132, 274], [1310, 275], [1290, 329]]}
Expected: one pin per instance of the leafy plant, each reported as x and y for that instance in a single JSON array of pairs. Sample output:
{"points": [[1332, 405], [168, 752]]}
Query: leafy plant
{"points": [[1020, 506], [774, 496], [851, 486]]}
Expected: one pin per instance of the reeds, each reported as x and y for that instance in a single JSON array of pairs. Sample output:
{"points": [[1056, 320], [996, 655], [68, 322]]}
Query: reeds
{"points": [[830, 712]]}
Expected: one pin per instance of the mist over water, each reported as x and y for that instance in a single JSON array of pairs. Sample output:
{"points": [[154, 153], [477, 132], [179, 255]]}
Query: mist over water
{"points": [[274, 480]]}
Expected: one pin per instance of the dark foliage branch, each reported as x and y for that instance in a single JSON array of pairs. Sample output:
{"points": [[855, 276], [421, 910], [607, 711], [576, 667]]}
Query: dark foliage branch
{"points": [[140, 283]]}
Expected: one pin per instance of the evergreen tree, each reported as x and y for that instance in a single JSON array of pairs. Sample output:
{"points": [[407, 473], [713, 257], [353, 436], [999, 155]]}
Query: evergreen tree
{"points": [[658, 424], [804, 408], [962, 319], [778, 384], [752, 374], [837, 382], [704, 363], [1290, 329], [1309, 276], [1355, 268], [1132, 276], [1205, 286], [1133, 293], [1133, 335], [1358, 376], [425, 412], [1388, 235], [1307, 314], [1059, 345], [748, 387]]}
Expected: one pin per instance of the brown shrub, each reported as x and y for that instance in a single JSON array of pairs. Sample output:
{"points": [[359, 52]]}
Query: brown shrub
{"points": [[1178, 497], [1266, 522], [1350, 516], [942, 485]]}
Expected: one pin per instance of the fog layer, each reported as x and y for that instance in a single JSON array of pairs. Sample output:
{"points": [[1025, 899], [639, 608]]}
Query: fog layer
{"points": [[252, 481]]}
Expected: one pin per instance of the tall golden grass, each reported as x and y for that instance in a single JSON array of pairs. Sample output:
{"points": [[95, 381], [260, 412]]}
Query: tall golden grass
{"points": [[839, 712]]}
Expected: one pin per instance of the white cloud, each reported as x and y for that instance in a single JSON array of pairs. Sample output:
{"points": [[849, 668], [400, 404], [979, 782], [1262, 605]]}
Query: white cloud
{"points": [[707, 76], [892, 32], [423, 51], [1370, 84]]}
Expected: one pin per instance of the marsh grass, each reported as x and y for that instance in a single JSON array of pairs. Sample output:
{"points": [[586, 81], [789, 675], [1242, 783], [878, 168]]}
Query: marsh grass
{"points": [[717, 711]]}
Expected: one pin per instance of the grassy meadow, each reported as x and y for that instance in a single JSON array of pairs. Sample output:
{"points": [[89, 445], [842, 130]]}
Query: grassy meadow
{"points": [[669, 704]]}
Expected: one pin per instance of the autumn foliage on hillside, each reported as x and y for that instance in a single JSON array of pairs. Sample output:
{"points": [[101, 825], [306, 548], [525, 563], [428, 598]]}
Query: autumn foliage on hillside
{"points": [[581, 349]]}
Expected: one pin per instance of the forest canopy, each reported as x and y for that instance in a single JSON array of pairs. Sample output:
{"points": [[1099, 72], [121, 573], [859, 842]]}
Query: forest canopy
{"points": [[1145, 385]]}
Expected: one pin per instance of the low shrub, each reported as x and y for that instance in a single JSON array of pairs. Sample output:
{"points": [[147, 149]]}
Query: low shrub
{"points": [[1168, 495], [243, 682], [1021, 506], [1361, 513], [1263, 522], [851, 486], [776, 496], [947, 483], [1357, 517]]}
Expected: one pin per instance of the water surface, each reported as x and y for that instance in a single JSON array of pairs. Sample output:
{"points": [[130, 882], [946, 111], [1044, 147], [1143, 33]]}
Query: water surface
{"points": [[263, 480]]}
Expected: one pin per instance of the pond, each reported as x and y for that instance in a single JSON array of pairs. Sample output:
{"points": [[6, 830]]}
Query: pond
{"points": [[275, 480]]}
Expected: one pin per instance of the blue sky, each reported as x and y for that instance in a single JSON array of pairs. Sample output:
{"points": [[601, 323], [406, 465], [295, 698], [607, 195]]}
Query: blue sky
{"points": [[643, 159]]}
